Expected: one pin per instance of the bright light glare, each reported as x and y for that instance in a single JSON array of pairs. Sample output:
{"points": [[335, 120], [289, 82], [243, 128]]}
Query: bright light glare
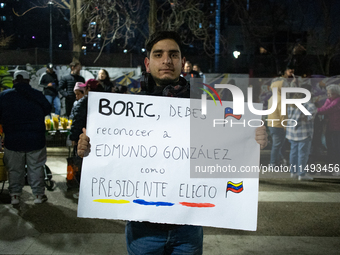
{"points": [[236, 54]]}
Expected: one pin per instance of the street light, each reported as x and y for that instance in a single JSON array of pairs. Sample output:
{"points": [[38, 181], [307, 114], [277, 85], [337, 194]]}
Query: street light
{"points": [[236, 54], [50, 5]]}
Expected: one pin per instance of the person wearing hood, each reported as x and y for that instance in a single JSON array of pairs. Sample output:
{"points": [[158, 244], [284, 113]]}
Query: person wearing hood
{"points": [[22, 115]]}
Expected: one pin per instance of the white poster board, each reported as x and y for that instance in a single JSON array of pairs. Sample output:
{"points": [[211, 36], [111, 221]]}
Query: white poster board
{"points": [[139, 165]]}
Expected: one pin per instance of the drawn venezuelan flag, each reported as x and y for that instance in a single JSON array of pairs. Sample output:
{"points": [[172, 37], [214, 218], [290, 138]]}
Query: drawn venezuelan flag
{"points": [[234, 187]]}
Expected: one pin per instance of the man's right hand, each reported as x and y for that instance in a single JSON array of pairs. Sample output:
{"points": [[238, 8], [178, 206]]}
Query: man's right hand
{"points": [[84, 146]]}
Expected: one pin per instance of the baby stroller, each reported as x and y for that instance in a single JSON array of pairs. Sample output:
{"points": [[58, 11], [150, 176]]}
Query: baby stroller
{"points": [[49, 183]]}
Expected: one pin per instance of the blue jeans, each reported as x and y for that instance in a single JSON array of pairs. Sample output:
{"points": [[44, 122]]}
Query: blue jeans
{"points": [[141, 238], [278, 138], [299, 154], [55, 101]]}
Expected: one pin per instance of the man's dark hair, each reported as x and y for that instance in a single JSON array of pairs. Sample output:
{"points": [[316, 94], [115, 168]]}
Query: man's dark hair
{"points": [[162, 35]]}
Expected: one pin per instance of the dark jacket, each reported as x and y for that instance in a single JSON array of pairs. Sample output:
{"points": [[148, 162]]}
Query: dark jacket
{"points": [[79, 118], [179, 89], [107, 85], [22, 113], [46, 79], [66, 84], [192, 74]]}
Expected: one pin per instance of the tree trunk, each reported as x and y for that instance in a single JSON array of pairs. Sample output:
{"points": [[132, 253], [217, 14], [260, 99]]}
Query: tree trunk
{"points": [[327, 64], [152, 16], [76, 22]]}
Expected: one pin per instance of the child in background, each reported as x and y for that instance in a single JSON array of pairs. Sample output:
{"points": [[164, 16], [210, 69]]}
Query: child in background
{"points": [[79, 90]]}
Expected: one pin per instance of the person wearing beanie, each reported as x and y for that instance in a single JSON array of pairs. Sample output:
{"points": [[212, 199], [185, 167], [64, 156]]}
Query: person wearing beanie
{"points": [[80, 110], [79, 91]]}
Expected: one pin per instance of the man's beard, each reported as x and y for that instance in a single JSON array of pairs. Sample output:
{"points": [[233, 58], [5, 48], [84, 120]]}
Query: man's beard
{"points": [[165, 82]]}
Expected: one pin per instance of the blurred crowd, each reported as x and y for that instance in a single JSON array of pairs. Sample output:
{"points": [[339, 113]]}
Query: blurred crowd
{"points": [[305, 137]]}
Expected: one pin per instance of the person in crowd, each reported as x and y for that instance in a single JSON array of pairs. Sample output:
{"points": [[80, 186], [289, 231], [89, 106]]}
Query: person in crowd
{"points": [[319, 96], [22, 115], [79, 91], [299, 132], [80, 110], [331, 109], [104, 80], [189, 72], [164, 63], [67, 85], [79, 120], [122, 89], [276, 129], [198, 69], [49, 81]]}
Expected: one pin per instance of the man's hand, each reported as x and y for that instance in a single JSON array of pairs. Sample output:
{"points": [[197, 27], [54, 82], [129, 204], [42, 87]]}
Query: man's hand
{"points": [[84, 146], [261, 136], [50, 84]]}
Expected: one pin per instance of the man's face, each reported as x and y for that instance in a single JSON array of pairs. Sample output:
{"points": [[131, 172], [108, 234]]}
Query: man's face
{"points": [[196, 68], [76, 69], [290, 73], [165, 62], [50, 70], [187, 67]]}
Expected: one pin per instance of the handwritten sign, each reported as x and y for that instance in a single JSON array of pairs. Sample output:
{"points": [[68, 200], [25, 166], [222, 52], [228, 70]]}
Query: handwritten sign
{"points": [[149, 160]]}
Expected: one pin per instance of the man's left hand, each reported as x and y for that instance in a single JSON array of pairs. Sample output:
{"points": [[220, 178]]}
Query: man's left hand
{"points": [[261, 136]]}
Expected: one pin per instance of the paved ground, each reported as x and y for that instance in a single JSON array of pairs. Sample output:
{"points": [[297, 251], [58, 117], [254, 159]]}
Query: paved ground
{"points": [[294, 218]]}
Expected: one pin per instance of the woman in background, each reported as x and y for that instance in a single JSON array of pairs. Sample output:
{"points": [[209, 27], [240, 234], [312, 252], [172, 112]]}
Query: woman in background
{"points": [[104, 80], [331, 109]]}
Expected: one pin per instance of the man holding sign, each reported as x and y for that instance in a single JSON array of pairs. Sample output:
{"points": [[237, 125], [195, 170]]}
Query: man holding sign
{"points": [[164, 64]]}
